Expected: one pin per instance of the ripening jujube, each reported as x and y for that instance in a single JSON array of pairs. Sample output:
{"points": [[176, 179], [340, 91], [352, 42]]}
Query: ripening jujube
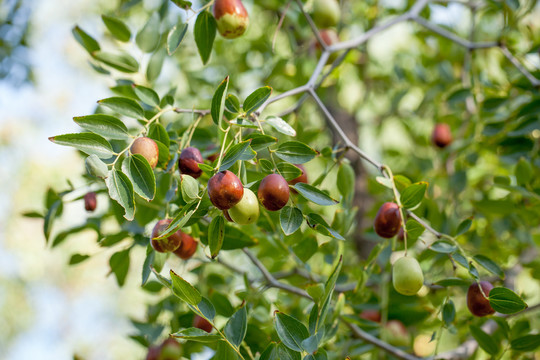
{"points": [[188, 246], [202, 323], [441, 135], [225, 190], [147, 148], [231, 17], [388, 220], [302, 178], [247, 210], [170, 350], [273, 192], [476, 302], [168, 244], [189, 161], [90, 201]]}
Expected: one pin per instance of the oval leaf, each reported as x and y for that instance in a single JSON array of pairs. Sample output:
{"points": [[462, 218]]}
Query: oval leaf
{"points": [[295, 152], [124, 106], [314, 195], [485, 341], [489, 265], [218, 101], [205, 33], [280, 125], [148, 38], [413, 195], [256, 99], [175, 37], [88, 143], [147, 95], [236, 327], [184, 290], [291, 331], [121, 61], [139, 171], [216, 233], [121, 191], [290, 219], [117, 28], [104, 125], [240, 151], [506, 301]]}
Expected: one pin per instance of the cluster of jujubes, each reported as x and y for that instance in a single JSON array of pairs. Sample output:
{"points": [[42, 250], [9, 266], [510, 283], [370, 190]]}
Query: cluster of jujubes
{"points": [[181, 244]]}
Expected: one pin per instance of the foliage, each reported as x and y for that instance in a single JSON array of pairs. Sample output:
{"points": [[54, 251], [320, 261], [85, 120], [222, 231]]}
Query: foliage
{"points": [[470, 210]]}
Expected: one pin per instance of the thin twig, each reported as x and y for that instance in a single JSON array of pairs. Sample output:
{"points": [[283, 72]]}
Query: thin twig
{"points": [[534, 81], [202, 112]]}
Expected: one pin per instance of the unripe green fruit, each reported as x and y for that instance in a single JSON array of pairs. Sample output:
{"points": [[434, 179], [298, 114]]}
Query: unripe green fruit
{"points": [[247, 210], [147, 148], [407, 276], [232, 18], [326, 13], [396, 333]]}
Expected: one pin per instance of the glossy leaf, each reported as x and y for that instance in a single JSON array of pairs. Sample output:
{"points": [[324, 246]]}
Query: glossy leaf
{"points": [[121, 191], [489, 265], [117, 28], [236, 327], [290, 331], [218, 101], [175, 37], [314, 195], [88, 143], [413, 195], [235, 153], [256, 99], [198, 335], [216, 233], [104, 125], [123, 106], [147, 95], [288, 171], [184, 290], [505, 301], [205, 33], [96, 167], [120, 61], [280, 125], [295, 152], [86, 41], [290, 219], [139, 172]]}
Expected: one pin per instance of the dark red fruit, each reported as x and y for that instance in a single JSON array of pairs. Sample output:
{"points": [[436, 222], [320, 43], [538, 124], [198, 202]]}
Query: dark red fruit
{"points": [[387, 220], [168, 244], [189, 161], [147, 148], [476, 302], [225, 190], [273, 192], [302, 178], [372, 315], [442, 135], [153, 353], [187, 248], [232, 18], [90, 201], [170, 350], [202, 323]]}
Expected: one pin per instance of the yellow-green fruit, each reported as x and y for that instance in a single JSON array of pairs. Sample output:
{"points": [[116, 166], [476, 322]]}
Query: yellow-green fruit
{"points": [[407, 276], [247, 210], [326, 13]]}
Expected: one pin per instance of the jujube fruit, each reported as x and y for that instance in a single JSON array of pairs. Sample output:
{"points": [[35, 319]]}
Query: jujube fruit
{"points": [[442, 135], [396, 333], [189, 161], [147, 148], [476, 302], [302, 178], [232, 18], [202, 323], [153, 353], [407, 276], [388, 220], [372, 315], [187, 248], [273, 192], [90, 201], [168, 244], [326, 13], [170, 350], [225, 190], [247, 210]]}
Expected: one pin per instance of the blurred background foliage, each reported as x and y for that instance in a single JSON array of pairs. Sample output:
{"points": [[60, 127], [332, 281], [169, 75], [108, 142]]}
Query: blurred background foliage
{"points": [[388, 95]]}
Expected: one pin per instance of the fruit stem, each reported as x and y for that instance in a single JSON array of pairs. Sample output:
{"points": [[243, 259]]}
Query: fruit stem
{"points": [[196, 12], [222, 148], [192, 130], [398, 201]]}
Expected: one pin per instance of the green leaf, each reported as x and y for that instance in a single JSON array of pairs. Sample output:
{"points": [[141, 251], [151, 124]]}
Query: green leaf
{"points": [[96, 167], [317, 222], [78, 258], [216, 233], [155, 64], [119, 263], [256, 99], [290, 219], [280, 125], [182, 4], [448, 312], [140, 173], [291, 331], [148, 37], [218, 101], [158, 132], [260, 141], [346, 180], [485, 341], [236, 327], [270, 353], [86, 41], [464, 226], [413, 195], [124, 106], [121, 191], [104, 125], [288, 171], [175, 37], [414, 229], [122, 61], [384, 181], [295, 152], [205, 33], [240, 151], [184, 290], [237, 239], [453, 281], [222, 304], [505, 301], [198, 335], [189, 187], [232, 104], [147, 95], [207, 309], [524, 172], [88, 143], [314, 195], [225, 352], [329, 287], [117, 28], [489, 265], [401, 182], [54, 210], [443, 247], [527, 343], [147, 263]]}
